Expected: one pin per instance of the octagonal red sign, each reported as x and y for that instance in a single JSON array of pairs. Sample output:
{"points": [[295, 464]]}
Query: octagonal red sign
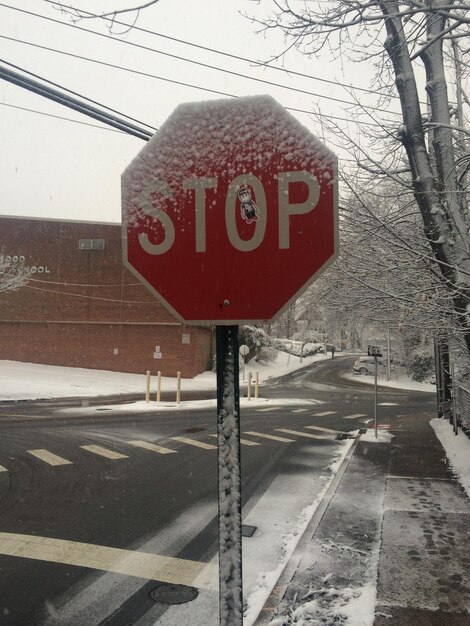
{"points": [[230, 211]]}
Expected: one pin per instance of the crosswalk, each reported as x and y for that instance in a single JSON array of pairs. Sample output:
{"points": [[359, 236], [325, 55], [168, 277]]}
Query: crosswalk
{"points": [[249, 438]]}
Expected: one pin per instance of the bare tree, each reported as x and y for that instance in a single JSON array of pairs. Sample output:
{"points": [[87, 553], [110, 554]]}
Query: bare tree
{"points": [[78, 14], [412, 32], [13, 274]]}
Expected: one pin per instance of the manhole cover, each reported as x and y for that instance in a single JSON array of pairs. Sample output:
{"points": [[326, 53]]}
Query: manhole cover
{"points": [[173, 594]]}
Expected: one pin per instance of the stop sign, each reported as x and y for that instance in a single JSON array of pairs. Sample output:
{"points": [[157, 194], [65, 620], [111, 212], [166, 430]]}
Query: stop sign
{"points": [[230, 211]]}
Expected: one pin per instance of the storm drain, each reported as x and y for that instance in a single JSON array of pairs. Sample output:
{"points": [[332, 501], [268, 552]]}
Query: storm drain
{"points": [[341, 436], [248, 531], [167, 593]]}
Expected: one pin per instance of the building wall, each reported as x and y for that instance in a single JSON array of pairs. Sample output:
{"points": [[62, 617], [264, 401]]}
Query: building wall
{"points": [[83, 308]]}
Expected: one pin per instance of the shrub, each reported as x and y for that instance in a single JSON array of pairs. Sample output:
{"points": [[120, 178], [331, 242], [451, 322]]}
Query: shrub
{"points": [[255, 338], [421, 366], [267, 353]]}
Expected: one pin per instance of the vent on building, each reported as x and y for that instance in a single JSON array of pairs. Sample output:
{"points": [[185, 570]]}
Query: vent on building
{"points": [[91, 244]]}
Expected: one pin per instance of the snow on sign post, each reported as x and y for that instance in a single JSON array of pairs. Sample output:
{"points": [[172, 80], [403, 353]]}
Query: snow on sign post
{"points": [[229, 213]]}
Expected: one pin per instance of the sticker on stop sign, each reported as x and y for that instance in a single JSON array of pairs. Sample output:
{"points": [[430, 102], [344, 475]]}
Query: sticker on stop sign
{"points": [[230, 211]]}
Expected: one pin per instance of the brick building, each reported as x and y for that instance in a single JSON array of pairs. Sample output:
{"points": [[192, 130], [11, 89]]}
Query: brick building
{"points": [[83, 308]]}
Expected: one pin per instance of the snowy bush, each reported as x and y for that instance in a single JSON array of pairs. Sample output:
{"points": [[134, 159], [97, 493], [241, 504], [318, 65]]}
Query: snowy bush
{"points": [[421, 366], [256, 339], [267, 353]]}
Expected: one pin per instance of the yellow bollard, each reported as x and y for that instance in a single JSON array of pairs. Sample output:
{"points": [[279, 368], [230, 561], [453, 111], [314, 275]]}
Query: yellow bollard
{"points": [[249, 385], [147, 390], [159, 386], [178, 387], [257, 386]]}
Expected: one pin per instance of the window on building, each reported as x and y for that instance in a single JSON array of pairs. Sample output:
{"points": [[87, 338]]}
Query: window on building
{"points": [[91, 244]]}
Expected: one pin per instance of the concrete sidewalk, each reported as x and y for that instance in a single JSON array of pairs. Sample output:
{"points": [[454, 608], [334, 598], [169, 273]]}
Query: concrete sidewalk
{"points": [[398, 523]]}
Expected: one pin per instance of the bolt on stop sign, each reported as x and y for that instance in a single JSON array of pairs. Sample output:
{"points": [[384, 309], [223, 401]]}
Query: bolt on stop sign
{"points": [[230, 211]]}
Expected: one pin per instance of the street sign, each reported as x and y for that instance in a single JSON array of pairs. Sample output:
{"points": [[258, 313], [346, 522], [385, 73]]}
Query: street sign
{"points": [[244, 350], [230, 211]]}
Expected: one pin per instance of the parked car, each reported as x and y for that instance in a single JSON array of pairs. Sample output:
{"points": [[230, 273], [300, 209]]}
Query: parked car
{"points": [[364, 365]]}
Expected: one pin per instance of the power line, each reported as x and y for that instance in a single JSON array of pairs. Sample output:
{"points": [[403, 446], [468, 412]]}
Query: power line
{"points": [[194, 62], [74, 93], [60, 117], [72, 103], [173, 81], [88, 297], [219, 52]]}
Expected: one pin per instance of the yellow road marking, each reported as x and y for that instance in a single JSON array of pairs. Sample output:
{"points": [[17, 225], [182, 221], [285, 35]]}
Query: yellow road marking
{"points": [[194, 442], [3, 469], [273, 437], [151, 446], [49, 457], [127, 562], [109, 454], [300, 434]]}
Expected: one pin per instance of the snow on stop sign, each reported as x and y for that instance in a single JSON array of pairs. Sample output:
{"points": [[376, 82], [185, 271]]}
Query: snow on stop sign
{"points": [[230, 211]]}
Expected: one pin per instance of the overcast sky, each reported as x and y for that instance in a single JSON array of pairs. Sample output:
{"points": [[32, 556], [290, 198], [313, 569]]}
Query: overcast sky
{"points": [[56, 168]]}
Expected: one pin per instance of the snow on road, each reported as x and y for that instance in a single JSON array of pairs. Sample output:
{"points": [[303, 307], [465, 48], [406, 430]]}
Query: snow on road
{"points": [[277, 537]]}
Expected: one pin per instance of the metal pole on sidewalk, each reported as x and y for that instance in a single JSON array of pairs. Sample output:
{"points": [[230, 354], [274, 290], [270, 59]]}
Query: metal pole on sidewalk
{"points": [[228, 434], [375, 396], [389, 369]]}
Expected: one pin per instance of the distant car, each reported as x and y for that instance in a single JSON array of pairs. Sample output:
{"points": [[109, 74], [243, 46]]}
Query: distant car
{"points": [[364, 365]]}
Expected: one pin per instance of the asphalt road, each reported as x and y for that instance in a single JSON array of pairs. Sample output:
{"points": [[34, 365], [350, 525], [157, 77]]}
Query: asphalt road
{"points": [[90, 480]]}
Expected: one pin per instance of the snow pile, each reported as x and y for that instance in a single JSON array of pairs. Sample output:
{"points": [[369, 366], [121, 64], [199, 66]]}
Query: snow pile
{"points": [[32, 381], [329, 607], [457, 450]]}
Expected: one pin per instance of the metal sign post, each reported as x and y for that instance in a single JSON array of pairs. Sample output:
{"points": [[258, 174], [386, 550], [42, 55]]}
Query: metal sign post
{"points": [[375, 396], [375, 351], [244, 350], [228, 432]]}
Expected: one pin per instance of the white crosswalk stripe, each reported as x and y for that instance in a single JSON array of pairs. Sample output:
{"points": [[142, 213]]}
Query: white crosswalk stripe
{"points": [[3, 469], [243, 442], [354, 416], [325, 413], [195, 442], [327, 430], [266, 409], [300, 434], [108, 454], [299, 410], [266, 436], [49, 457], [146, 445]]}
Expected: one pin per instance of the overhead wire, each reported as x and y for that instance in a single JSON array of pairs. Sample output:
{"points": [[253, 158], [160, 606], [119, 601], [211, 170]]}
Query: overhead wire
{"points": [[72, 103], [195, 62], [236, 57], [74, 93], [60, 117]]}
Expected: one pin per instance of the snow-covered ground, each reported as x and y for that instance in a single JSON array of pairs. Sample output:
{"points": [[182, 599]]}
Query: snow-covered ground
{"points": [[273, 549], [30, 381]]}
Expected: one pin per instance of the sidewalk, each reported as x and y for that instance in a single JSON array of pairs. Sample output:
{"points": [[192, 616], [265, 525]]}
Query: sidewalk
{"points": [[394, 536]]}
